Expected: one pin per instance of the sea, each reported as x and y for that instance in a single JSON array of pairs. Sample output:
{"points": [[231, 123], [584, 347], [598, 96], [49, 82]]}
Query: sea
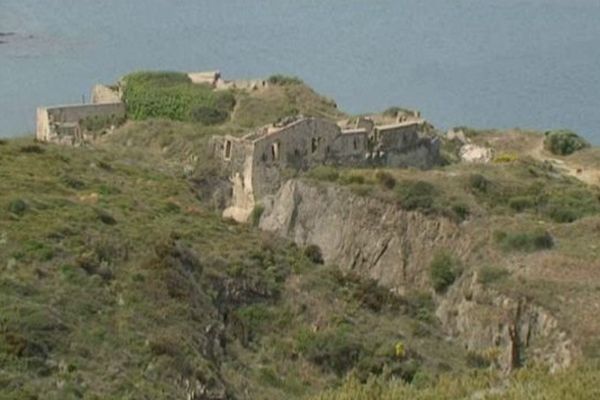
{"points": [[532, 64]]}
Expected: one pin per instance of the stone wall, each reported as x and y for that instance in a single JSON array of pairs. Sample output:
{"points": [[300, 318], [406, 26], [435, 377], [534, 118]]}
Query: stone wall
{"points": [[349, 148], [405, 145], [260, 162], [52, 121], [102, 94], [299, 146]]}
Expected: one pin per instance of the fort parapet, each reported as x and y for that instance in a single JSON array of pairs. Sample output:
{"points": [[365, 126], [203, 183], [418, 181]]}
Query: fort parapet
{"points": [[71, 124]]}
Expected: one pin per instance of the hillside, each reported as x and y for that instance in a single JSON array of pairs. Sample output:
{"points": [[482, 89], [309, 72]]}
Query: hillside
{"points": [[117, 282], [120, 279]]}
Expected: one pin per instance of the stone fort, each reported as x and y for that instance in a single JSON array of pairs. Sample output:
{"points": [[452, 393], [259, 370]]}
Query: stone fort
{"points": [[259, 162]]}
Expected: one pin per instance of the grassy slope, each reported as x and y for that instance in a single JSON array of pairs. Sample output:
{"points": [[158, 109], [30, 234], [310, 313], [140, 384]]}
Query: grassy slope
{"points": [[116, 282]]}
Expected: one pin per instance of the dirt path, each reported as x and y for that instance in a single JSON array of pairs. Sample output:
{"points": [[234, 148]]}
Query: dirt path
{"points": [[591, 176]]}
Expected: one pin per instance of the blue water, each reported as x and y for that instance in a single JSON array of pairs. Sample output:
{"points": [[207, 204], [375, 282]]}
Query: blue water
{"points": [[483, 63]]}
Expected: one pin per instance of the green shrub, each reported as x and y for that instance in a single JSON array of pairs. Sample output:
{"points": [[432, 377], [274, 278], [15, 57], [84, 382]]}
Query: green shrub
{"points": [[524, 241], [569, 205], [32, 149], [324, 173], [385, 179], [477, 360], [98, 123], [72, 182], [105, 217], [564, 142], [367, 292], [251, 319], [257, 212], [561, 215], [335, 350], [443, 271], [172, 95], [313, 253], [284, 80], [479, 183], [421, 305], [416, 195], [17, 207], [521, 203], [461, 211], [489, 274]]}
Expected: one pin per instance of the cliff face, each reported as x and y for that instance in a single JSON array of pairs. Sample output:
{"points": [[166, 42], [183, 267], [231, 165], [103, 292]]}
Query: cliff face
{"points": [[357, 233], [394, 246]]}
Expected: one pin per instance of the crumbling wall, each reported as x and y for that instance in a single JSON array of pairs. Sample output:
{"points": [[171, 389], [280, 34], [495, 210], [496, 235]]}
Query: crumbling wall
{"points": [[405, 145], [102, 94], [349, 148], [63, 124], [235, 157], [299, 146], [241, 84]]}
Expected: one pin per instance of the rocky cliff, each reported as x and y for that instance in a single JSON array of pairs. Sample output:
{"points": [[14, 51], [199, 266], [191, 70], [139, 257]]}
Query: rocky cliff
{"points": [[380, 240]]}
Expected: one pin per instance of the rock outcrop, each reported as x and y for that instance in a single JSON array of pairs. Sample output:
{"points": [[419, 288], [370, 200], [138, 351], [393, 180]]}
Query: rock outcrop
{"points": [[505, 330], [372, 237], [380, 240]]}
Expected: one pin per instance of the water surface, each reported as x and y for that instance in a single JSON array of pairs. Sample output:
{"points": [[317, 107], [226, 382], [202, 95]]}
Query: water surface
{"points": [[483, 63]]}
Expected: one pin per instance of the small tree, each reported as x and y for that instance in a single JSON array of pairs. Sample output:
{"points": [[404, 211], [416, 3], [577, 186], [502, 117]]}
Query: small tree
{"points": [[443, 271], [564, 142]]}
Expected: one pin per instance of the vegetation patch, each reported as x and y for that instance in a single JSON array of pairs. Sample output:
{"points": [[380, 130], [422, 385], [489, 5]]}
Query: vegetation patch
{"points": [[443, 271], [385, 179], [524, 241], [313, 253], [284, 80], [490, 274], [172, 95], [324, 173], [564, 142], [335, 350], [416, 195], [17, 207], [99, 123], [256, 213]]}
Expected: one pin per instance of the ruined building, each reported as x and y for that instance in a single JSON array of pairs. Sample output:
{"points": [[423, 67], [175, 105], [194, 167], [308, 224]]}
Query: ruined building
{"points": [[75, 124], [260, 161]]}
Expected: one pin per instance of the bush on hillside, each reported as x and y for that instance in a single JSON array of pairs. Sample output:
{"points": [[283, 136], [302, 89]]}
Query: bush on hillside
{"points": [[385, 179], [314, 254], [352, 179], [443, 271], [256, 213], [490, 274], [569, 205], [172, 95], [32, 149], [564, 142], [324, 173], [524, 241], [337, 350], [17, 207], [460, 211], [416, 195], [479, 183], [284, 80]]}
